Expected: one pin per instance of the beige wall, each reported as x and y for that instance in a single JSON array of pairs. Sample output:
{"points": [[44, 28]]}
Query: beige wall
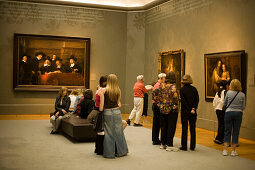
{"points": [[107, 30], [200, 28], [128, 44]]}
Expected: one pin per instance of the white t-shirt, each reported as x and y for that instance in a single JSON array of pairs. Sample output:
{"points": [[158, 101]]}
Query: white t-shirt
{"points": [[218, 102], [73, 98]]}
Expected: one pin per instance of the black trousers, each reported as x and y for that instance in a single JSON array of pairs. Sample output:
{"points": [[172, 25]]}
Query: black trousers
{"points": [[156, 123], [168, 127], [188, 118], [220, 116], [145, 105]]}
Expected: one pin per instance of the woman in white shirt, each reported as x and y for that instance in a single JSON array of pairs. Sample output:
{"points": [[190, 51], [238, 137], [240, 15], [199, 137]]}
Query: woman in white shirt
{"points": [[218, 102]]}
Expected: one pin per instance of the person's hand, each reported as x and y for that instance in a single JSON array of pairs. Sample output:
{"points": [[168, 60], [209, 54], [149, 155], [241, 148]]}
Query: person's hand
{"points": [[63, 111], [56, 114], [193, 111], [78, 117], [75, 70], [174, 107]]}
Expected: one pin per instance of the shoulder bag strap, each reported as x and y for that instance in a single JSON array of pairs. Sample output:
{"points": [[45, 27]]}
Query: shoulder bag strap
{"points": [[232, 100]]}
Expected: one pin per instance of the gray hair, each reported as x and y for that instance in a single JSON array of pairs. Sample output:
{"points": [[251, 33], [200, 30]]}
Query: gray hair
{"points": [[161, 75], [139, 78]]}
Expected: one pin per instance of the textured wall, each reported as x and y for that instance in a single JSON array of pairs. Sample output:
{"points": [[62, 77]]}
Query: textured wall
{"points": [[107, 30], [199, 27]]}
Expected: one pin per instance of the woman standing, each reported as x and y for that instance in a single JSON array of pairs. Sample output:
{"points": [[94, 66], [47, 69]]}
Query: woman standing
{"points": [[62, 105], [218, 102], [168, 99], [189, 103], [235, 104], [114, 140]]}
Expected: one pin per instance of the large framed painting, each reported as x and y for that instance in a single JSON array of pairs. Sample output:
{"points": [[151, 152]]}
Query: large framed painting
{"points": [[172, 61], [44, 63], [221, 68]]}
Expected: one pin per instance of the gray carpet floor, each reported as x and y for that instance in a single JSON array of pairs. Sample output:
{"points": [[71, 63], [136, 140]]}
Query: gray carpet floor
{"points": [[28, 145]]}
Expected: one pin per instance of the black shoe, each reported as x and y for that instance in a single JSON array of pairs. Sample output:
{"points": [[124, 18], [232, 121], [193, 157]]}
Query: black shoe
{"points": [[217, 141], [54, 132], [128, 122], [135, 124], [192, 149], [183, 149], [156, 143]]}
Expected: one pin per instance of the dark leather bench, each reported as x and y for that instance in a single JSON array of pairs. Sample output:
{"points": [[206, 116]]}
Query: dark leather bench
{"points": [[78, 129]]}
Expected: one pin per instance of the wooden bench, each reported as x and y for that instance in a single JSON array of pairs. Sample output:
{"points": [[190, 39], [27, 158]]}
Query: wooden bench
{"points": [[78, 129]]}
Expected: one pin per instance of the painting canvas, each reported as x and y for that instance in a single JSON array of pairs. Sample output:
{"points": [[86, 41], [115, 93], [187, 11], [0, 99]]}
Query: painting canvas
{"points": [[172, 61], [44, 63], [222, 68]]}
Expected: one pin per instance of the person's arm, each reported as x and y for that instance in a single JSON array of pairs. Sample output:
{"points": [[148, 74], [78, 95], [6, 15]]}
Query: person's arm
{"points": [[215, 100], [243, 106], [101, 94], [119, 103], [226, 100], [56, 105], [67, 105], [144, 89]]}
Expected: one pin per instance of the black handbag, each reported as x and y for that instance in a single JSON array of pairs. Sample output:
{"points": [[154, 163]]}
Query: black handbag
{"points": [[99, 122], [224, 108]]}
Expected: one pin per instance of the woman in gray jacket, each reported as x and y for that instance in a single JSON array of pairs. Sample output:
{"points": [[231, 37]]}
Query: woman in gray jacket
{"points": [[235, 104]]}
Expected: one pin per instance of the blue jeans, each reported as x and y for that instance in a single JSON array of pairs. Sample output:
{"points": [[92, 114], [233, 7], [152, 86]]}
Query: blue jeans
{"points": [[114, 140], [233, 122]]}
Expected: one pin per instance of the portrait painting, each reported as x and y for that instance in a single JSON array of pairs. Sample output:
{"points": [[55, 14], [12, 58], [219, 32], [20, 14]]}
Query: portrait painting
{"points": [[172, 61], [44, 63], [221, 68]]}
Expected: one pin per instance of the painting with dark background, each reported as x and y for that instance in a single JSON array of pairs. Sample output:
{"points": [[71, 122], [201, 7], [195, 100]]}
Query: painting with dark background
{"points": [[47, 62], [222, 68], [172, 61]]}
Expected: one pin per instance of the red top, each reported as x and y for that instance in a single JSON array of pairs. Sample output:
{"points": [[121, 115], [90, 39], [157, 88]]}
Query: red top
{"points": [[97, 100], [156, 86], [139, 89]]}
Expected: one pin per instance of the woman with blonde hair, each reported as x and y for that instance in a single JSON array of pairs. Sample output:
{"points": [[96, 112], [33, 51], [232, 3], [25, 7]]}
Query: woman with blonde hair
{"points": [[114, 140], [62, 105], [234, 104]]}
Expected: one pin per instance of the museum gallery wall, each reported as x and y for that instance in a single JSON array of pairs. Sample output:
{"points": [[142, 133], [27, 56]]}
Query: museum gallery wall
{"points": [[128, 44]]}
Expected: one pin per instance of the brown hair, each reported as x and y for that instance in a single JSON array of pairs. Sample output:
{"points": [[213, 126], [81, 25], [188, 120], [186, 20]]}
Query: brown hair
{"points": [[74, 92], [61, 91], [88, 94], [235, 85]]}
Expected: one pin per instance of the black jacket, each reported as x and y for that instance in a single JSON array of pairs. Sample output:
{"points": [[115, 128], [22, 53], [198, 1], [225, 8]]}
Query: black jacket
{"points": [[35, 64], [76, 66], [65, 105], [189, 98], [87, 105], [62, 69], [46, 69]]}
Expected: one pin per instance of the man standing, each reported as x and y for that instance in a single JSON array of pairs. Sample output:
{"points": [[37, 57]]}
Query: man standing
{"points": [[35, 67], [139, 90], [156, 110]]}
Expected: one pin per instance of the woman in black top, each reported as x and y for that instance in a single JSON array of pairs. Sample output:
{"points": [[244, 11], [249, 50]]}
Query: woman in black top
{"points": [[62, 105], [87, 104], [189, 103]]}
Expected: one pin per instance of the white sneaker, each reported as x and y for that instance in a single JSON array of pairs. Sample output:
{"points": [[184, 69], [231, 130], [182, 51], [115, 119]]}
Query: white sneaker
{"points": [[162, 146], [225, 153], [234, 153], [171, 148]]}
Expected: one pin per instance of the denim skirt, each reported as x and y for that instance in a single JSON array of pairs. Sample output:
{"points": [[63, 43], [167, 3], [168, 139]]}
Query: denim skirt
{"points": [[114, 140]]}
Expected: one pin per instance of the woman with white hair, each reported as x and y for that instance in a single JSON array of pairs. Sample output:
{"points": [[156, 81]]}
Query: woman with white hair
{"points": [[156, 110], [139, 90]]}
